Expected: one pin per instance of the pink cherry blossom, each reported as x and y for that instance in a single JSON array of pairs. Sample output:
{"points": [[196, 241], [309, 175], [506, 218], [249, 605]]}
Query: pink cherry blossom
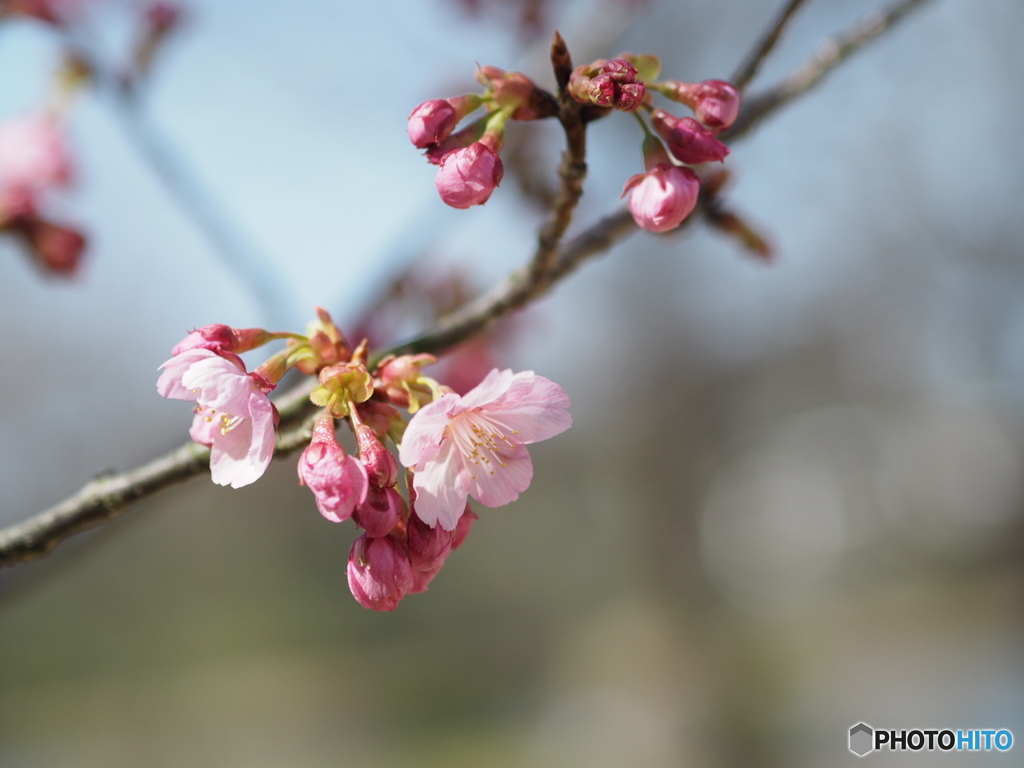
{"points": [[662, 197], [33, 155], [234, 416], [338, 481], [474, 445], [468, 176]]}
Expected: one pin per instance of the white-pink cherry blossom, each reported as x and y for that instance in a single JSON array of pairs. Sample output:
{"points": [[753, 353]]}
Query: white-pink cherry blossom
{"points": [[234, 416], [475, 444]]}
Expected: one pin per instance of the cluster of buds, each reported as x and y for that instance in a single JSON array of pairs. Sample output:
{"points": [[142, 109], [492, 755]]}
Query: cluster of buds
{"points": [[660, 198], [469, 160], [34, 160], [452, 447], [613, 84]]}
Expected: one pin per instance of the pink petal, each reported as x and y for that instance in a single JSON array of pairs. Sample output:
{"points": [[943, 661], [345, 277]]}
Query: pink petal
{"points": [[503, 484], [221, 384], [169, 384], [422, 439], [440, 490], [494, 385], [532, 409]]}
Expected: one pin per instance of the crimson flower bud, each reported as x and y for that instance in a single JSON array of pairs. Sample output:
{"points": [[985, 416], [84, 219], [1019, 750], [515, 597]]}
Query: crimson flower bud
{"points": [[716, 103], [338, 481], [611, 84], [223, 338], [688, 140], [58, 248], [381, 466], [662, 197], [381, 511], [431, 122], [379, 573], [468, 176], [428, 550]]}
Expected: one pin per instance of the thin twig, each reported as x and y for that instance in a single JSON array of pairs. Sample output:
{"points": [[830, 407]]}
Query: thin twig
{"points": [[106, 498], [249, 264], [99, 502], [571, 172], [765, 45], [830, 54]]}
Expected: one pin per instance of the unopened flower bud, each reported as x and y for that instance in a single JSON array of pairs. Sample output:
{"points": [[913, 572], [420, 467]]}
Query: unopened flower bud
{"points": [[402, 381], [223, 338], [612, 84], [688, 141], [381, 466], [380, 512], [428, 550], [663, 197], [338, 482], [431, 122], [379, 573], [467, 177], [715, 103], [58, 248]]}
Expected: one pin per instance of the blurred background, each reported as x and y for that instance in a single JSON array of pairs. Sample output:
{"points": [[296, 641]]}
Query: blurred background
{"points": [[792, 499]]}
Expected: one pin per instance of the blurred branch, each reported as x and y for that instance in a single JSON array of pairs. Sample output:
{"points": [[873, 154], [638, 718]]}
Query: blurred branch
{"points": [[765, 45], [830, 54], [106, 498], [249, 265]]}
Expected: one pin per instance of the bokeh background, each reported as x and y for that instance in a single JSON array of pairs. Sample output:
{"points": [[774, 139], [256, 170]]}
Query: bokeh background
{"points": [[792, 498]]}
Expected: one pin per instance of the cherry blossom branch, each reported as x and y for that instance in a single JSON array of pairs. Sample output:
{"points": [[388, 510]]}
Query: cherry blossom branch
{"points": [[573, 169], [830, 54], [765, 45], [98, 502], [106, 498]]}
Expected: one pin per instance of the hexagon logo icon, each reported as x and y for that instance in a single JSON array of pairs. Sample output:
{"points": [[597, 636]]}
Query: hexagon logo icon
{"points": [[861, 739]]}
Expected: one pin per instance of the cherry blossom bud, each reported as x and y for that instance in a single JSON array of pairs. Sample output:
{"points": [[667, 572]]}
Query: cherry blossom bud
{"points": [[382, 418], [662, 197], [431, 122], [403, 382], [612, 84], [688, 140], [716, 103], [338, 482], [379, 573], [428, 550], [467, 177], [381, 466], [380, 512], [223, 338], [58, 248]]}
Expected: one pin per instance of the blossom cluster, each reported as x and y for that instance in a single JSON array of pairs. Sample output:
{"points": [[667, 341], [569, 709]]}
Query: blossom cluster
{"points": [[35, 158], [661, 197], [453, 447]]}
